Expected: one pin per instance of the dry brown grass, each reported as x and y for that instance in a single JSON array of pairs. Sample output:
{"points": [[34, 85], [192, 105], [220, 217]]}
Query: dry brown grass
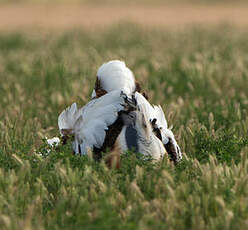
{"points": [[68, 16]]}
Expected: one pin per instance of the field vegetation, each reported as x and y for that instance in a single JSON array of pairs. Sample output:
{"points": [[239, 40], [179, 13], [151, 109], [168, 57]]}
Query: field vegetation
{"points": [[199, 76]]}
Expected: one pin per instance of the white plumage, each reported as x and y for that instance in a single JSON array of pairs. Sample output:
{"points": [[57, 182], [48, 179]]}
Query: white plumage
{"points": [[156, 112], [144, 139], [89, 124], [115, 75], [152, 112]]}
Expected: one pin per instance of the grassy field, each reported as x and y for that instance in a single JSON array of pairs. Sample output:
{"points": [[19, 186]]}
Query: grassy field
{"points": [[199, 76]]}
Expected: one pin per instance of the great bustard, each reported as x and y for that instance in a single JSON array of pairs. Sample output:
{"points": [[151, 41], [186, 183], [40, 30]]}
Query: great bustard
{"points": [[103, 123]]}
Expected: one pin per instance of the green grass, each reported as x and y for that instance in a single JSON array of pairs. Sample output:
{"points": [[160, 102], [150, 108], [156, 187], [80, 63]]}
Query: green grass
{"points": [[199, 76]]}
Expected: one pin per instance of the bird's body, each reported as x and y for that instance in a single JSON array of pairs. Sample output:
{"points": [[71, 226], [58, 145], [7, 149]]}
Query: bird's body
{"points": [[118, 117]]}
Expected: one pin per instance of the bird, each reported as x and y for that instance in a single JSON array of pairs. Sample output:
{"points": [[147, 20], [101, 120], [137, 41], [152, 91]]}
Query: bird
{"points": [[114, 75], [119, 117], [115, 122]]}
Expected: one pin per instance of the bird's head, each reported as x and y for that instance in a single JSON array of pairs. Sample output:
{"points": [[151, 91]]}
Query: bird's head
{"points": [[114, 75]]}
